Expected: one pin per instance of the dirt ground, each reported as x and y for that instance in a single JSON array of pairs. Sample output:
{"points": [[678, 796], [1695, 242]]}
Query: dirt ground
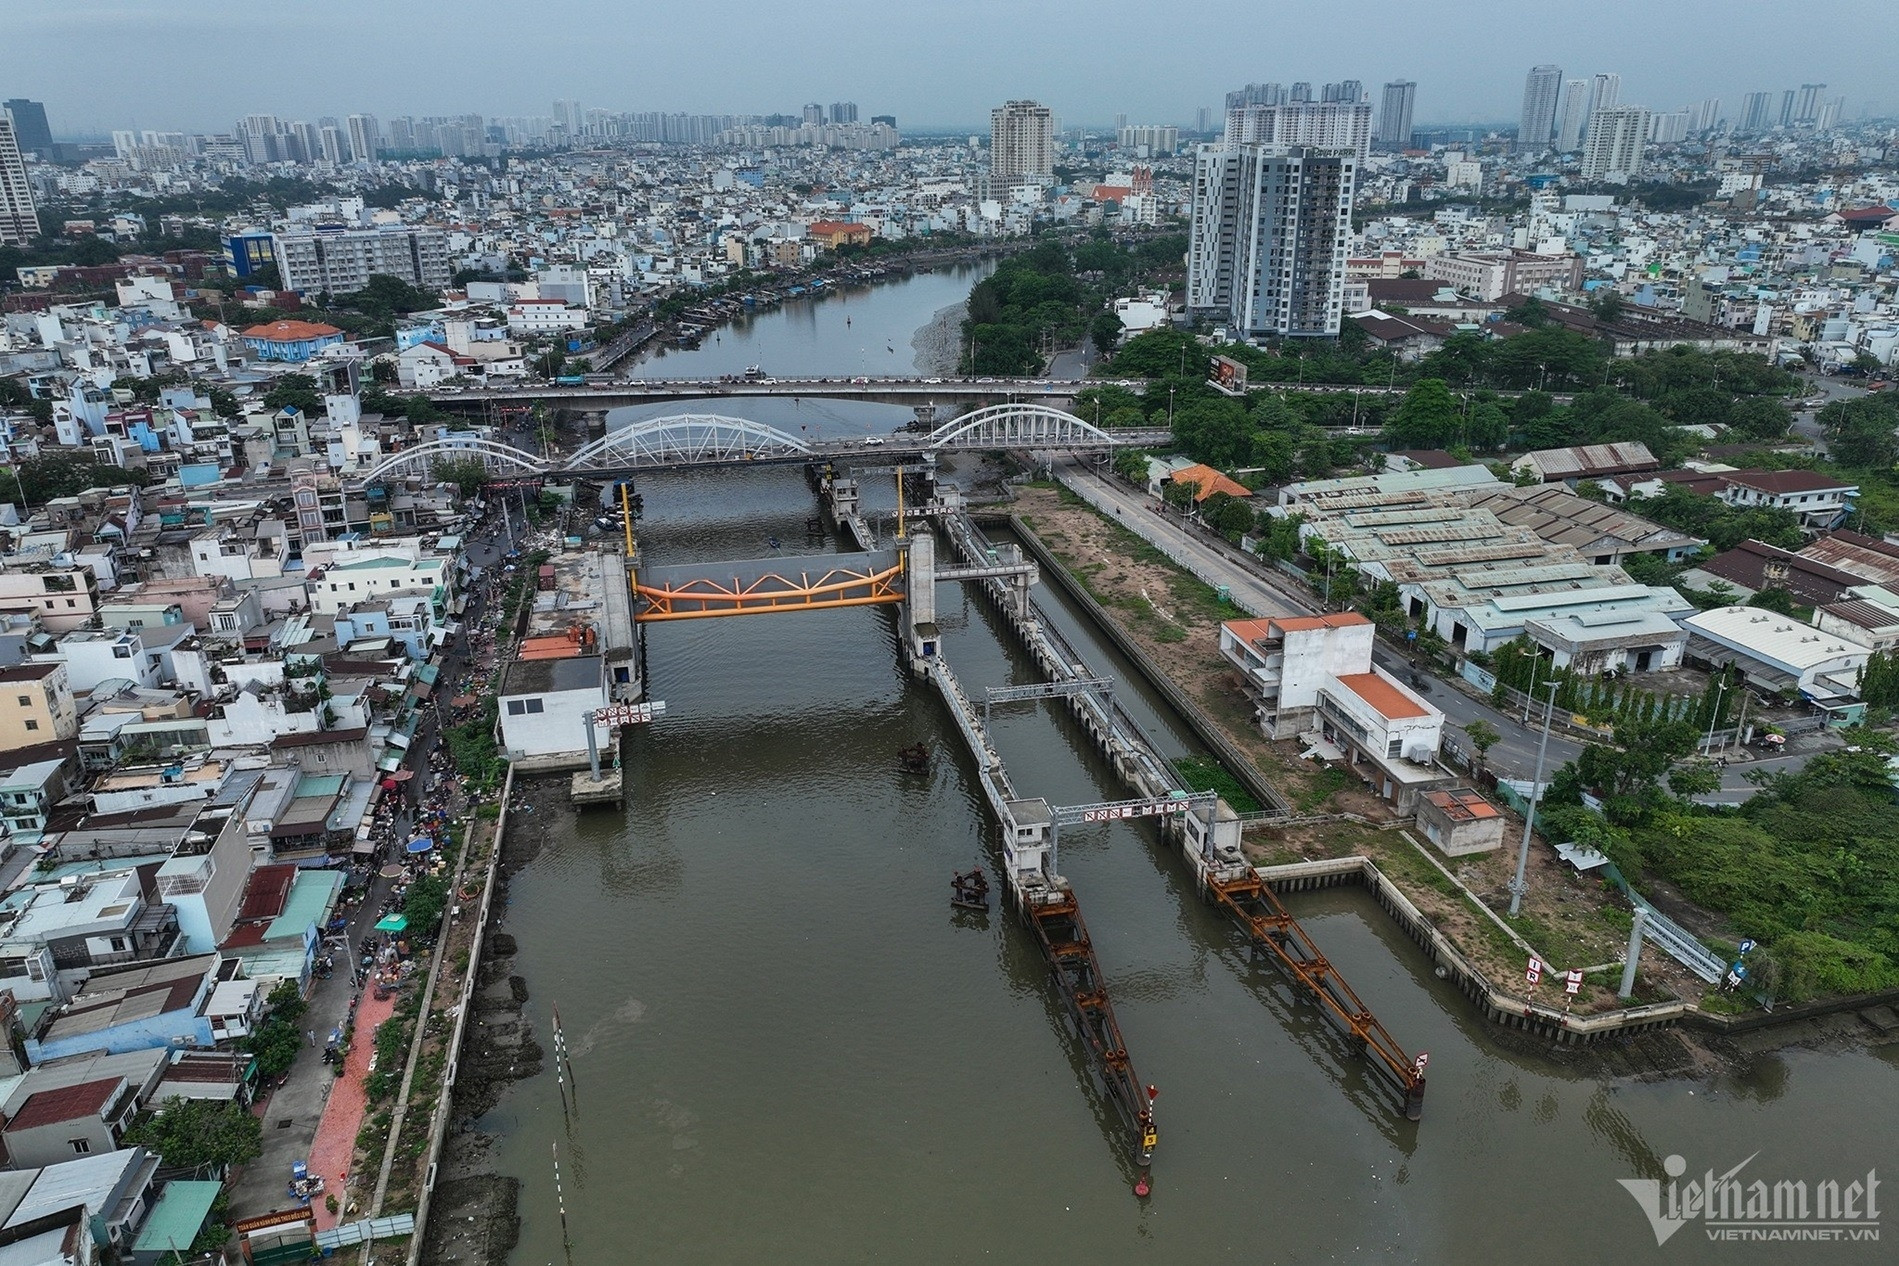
{"points": [[1175, 618], [1571, 920]]}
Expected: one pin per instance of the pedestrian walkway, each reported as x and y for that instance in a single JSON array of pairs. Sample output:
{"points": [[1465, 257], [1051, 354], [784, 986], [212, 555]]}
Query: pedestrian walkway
{"points": [[343, 1113]]}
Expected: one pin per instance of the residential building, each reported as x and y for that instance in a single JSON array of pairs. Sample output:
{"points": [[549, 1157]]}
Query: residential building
{"points": [[1021, 143], [1490, 275], [1818, 501], [1394, 115], [1269, 236], [1605, 91], [1574, 117], [341, 261], [51, 1126], [365, 139], [832, 234], [1866, 614], [1537, 123], [1153, 140], [1284, 660], [1753, 567], [76, 1212], [36, 706], [359, 575], [19, 221], [295, 341], [1617, 138], [1336, 125]]}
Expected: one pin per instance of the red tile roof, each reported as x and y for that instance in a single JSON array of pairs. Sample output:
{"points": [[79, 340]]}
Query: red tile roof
{"points": [[68, 1103]]}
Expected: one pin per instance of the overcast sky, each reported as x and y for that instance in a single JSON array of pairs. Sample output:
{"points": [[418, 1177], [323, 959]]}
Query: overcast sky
{"points": [[199, 64]]}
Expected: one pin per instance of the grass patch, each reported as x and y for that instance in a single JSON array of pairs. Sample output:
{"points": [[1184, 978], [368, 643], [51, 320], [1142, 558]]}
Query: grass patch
{"points": [[1203, 773], [1326, 784]]}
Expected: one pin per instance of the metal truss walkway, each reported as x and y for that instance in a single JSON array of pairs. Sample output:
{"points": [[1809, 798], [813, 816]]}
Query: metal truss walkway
{"points": [[764, 586]]}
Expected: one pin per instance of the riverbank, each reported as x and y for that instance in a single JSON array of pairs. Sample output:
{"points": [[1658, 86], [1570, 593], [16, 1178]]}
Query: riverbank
{"points": [[939, 342], [1174, 620], [474, 1214]]}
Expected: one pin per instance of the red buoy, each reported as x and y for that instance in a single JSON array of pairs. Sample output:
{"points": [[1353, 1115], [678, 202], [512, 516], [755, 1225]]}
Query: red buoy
{"points": [[1140, 1186]]}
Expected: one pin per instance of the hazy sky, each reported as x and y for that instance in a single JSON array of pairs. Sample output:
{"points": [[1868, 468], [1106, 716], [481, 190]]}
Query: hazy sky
{"points": [[199, 64]]}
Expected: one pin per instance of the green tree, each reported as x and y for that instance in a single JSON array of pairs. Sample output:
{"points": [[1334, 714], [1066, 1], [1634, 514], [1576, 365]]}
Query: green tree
{"points": [[1105, 331], [1483, 736], [1860, 432], [468, 474], [67, 474], [1428, 418], [200, 1133], [294, 391]]}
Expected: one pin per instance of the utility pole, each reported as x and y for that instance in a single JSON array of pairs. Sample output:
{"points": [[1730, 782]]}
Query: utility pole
{"points": [[1521, 884], [1721, 689]]}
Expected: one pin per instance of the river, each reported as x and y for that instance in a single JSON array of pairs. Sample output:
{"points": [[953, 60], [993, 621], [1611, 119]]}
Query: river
{"points": [[789, 1050]]}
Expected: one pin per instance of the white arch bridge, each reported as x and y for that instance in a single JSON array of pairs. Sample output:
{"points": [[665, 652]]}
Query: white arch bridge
{"points": [[710, 439]]}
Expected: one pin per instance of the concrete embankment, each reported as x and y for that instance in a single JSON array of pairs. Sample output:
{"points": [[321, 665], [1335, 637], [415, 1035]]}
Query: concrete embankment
{"points": [[472, 1211]]}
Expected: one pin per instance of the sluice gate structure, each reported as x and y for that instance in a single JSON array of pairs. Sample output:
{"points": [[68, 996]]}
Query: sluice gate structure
{"points": [[1209, 842]]}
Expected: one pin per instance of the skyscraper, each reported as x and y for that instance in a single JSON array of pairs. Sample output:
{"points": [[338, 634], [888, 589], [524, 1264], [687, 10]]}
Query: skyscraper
{"points": [[1617, 135], [1786, 116], [1537, 124], [814, 114], [30, 131], [1807, 105], [1345, 90], [1021, 142], [19, 222], [1270, 228], [1394, 114], [843, 112], [1569, 131], [1707, 114], [365, 138], [1605, 90], [1256, 94], [1333, 125], [1757, 112]]}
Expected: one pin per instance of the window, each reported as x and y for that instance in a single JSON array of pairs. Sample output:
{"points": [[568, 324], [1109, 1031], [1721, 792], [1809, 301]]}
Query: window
{"points": [[32, 725], [26, 701], [516, 707], [80, 1146], [534, 705]]}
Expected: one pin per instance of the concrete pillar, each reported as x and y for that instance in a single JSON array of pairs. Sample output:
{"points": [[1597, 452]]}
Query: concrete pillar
{"points": [[1635, 954], [919, 601]]}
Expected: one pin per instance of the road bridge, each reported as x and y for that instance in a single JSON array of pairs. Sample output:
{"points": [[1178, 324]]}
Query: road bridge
{"points": [[710, 439], [907, 390]]}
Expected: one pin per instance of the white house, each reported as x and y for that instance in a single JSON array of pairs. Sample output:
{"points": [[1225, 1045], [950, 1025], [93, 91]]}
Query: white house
{"points": [[1777, 652]]}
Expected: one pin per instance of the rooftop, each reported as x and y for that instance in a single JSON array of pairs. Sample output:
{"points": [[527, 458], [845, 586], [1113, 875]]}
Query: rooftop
{"points": [[1384, 697], [291, 331], [68, 1103]]}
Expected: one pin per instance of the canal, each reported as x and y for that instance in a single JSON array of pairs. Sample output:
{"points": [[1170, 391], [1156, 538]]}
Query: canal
{"points": [[788, 1049]]}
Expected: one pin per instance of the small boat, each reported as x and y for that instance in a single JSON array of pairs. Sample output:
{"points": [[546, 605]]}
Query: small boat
{"points": [[914, 759]]}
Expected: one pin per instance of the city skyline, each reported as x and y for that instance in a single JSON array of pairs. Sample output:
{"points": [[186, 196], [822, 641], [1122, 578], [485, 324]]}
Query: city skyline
{"points": [[54, 52]]}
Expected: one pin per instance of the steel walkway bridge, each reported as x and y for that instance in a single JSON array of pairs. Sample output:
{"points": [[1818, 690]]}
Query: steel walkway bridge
{"points": [[710, 439]]}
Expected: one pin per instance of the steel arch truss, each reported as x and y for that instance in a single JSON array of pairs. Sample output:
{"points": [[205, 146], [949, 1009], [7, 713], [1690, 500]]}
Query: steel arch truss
{"points": [[421, 458], [1019, 426], [687, 439]]}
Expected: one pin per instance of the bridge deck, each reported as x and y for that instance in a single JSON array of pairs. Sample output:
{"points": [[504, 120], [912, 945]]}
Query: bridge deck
{"points": [[761, 586]]}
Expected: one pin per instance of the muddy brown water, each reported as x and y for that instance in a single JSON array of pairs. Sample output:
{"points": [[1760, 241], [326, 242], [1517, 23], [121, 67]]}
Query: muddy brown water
{"points": [[788, 1048]]}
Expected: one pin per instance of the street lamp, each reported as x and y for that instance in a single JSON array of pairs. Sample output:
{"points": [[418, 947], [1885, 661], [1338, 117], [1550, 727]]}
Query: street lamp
{"points": [[1721, 689], [1521, 884]]}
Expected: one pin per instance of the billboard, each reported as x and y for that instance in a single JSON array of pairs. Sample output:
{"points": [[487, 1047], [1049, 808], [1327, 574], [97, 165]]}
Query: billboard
{"points": [[1227, 375]]}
